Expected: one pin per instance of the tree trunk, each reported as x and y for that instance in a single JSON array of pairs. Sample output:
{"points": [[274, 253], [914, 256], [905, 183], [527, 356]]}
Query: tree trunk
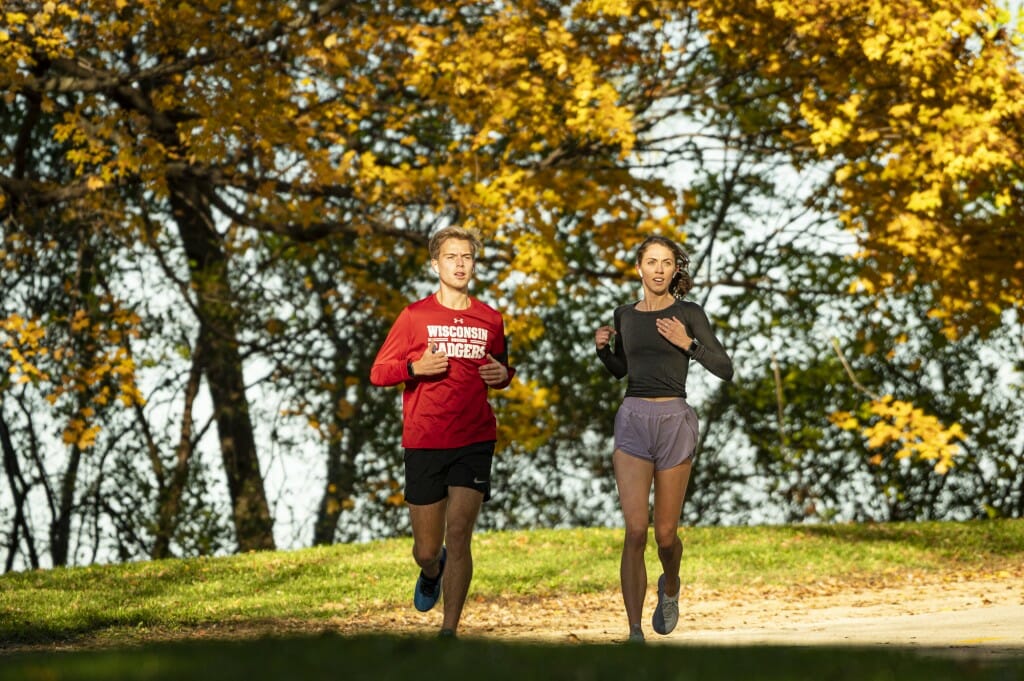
{"points": [[171, 492], [340, 480], [19, 490], [60, 526], [341, 452], [222, 363]]}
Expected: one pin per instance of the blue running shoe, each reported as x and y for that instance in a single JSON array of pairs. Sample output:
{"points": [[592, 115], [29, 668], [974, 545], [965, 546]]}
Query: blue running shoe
{"points": [[429, 590]]}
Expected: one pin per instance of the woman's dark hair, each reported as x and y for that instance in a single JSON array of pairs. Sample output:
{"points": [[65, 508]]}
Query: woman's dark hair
{"points": [[681, 283]]}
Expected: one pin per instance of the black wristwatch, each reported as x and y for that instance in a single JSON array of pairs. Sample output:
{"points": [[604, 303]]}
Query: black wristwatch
{"points": [[693, 348], [408, 365]]}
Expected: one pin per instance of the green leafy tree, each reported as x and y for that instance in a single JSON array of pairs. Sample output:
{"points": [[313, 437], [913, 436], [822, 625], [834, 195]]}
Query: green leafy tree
{"points": [[282, 163]]}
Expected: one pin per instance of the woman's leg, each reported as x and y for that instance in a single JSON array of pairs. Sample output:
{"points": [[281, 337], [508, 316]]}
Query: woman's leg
{"points": [[669, 492], [633, 477]]}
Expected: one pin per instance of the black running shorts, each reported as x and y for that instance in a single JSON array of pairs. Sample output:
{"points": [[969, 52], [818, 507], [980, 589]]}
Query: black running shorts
{"points": [[430, 472]]}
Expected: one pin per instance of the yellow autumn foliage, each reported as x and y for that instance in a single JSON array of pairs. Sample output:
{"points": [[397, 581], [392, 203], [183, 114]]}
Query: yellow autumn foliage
{"points": [[518, 124], [906, 431], [86, 382], [23, 341], [526, 416], [920, 109]]}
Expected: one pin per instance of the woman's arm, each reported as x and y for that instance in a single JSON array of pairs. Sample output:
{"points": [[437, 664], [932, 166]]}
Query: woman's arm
{"points": [[706, 348], [611, 351]]}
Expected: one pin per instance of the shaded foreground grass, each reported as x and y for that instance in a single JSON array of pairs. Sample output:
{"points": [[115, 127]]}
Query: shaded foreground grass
{"points": [[130, 611], [388, 658]]}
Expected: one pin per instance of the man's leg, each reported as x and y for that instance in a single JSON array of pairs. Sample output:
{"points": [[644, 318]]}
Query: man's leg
{"points": [[428, 535], [463, 508], [633, 477]]}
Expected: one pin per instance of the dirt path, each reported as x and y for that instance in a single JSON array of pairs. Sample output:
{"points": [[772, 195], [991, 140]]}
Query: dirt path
{"points": [[979, 616]]}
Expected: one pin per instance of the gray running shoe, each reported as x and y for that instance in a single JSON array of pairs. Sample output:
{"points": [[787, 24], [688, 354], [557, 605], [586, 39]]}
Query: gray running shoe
{"points": [[666, 615], [636, 635]]}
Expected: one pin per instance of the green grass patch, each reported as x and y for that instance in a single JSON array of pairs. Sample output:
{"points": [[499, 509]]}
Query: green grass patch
{"points": [[128, 605], [388, 658], [339, 581]]}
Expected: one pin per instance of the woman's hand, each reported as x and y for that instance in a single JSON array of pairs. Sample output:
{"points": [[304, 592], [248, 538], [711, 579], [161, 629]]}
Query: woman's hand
{"points": [[603, 336], [674, 332]]}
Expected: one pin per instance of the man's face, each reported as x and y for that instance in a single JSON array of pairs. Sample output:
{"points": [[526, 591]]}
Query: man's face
{"points": [[454, 263]]}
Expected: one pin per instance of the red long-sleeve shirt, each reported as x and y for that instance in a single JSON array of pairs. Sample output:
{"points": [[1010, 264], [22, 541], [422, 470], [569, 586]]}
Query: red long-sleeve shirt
{"points": [[449, 410]]}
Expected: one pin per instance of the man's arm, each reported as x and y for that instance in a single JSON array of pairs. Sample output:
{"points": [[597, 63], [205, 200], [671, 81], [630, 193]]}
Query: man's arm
{"points": [[391, 366]]}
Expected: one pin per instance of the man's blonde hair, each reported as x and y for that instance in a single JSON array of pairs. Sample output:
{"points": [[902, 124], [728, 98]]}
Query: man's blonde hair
{"points": [[460, 233]]}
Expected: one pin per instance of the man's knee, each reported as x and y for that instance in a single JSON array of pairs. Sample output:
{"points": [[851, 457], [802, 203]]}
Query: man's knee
{"points": [[458, 534], [424, 555]]}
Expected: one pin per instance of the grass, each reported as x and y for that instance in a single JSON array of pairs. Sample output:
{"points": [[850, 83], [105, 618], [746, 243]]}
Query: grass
{"points": [[127, 609], [400, 659]]}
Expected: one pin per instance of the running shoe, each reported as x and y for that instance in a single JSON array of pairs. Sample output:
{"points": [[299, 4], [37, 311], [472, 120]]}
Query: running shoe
{"points": [[636, 635], [667, 613], [429, 590]]}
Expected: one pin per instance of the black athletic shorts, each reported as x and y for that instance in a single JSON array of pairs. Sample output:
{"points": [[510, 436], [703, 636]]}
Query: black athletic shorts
{"points": [[430, 472]]}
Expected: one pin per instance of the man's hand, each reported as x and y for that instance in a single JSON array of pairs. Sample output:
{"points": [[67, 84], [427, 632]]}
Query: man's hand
{"points": [[493, 372], [432, 363]]}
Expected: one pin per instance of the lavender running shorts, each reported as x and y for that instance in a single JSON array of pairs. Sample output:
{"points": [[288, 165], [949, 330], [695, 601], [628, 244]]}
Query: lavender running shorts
{"points": [[664, 433]]}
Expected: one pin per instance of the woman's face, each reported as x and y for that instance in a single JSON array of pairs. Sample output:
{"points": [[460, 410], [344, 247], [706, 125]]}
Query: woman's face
{"points": [[657, 267]]}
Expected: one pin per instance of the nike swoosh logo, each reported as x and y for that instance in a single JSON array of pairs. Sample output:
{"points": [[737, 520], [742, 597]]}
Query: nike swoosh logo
{"points": [[479, 482]]}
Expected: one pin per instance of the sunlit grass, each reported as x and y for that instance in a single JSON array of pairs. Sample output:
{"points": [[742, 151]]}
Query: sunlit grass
{"points": [[131, 610], [339, 581]]}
